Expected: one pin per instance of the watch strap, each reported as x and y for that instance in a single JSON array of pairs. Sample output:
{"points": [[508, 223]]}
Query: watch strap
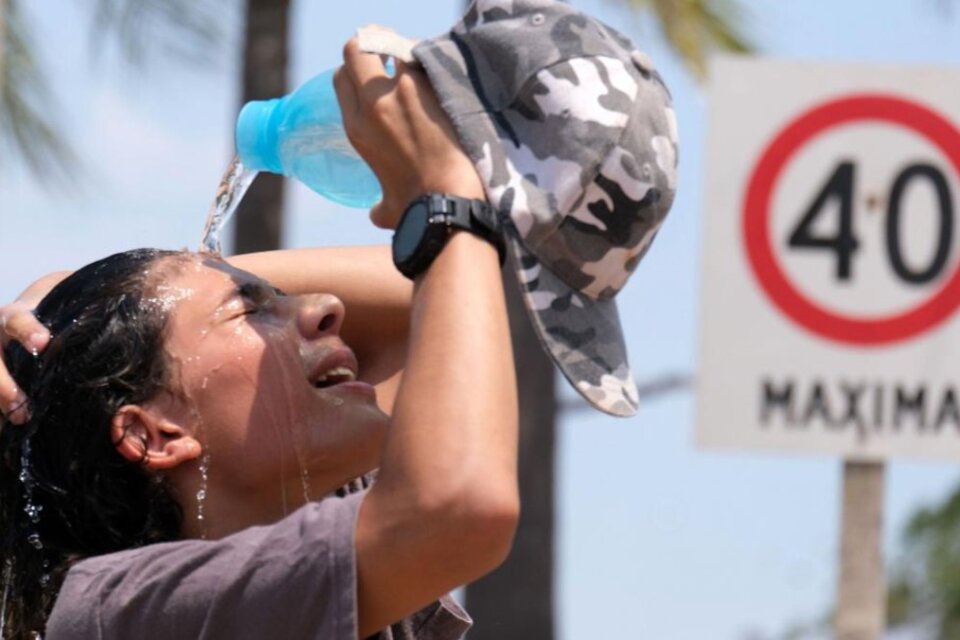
{"points": [[475, 216], [452, 212]]}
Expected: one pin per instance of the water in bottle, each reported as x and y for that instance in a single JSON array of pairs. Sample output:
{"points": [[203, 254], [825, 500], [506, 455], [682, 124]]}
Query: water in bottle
{"points": [[301, 135]]}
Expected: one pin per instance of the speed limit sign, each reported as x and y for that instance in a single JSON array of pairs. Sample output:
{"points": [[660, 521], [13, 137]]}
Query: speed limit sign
{"points": [[831, 260]]}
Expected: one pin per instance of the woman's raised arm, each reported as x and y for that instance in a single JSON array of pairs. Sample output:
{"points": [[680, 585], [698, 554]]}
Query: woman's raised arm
{"points": [[445, 505]]}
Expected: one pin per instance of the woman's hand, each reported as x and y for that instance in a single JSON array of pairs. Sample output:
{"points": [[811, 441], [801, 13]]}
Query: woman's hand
{"points": [[399, 128], [18, 324]]}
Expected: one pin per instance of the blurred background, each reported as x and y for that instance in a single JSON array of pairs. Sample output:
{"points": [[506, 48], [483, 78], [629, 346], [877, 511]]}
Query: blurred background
{"points": [[116, 120]]}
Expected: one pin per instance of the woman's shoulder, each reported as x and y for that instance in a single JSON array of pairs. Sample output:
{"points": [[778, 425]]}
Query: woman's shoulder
{"points": [[297, 574], [322, 524]]}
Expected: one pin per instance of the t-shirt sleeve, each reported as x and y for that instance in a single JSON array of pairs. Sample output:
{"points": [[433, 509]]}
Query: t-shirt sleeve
{"points": [[292, 579]]}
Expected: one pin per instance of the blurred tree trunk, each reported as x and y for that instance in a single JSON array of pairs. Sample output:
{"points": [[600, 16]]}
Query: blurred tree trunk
{"points": [[516, 600], [259, 222]]}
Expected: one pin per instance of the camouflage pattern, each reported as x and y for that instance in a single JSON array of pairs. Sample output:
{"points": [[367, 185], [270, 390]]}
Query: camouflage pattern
{"points": [[573, 134]]}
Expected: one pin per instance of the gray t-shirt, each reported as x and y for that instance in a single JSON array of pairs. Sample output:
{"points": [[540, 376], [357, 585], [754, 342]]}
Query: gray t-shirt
{"points": [[293, 579]]}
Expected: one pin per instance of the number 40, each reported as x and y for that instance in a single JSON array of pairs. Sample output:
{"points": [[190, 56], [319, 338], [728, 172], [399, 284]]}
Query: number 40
{"points": [[844, 243]]}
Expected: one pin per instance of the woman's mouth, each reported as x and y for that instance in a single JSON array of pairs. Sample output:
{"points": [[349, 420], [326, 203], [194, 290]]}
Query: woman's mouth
{"points": [[335, 376]]}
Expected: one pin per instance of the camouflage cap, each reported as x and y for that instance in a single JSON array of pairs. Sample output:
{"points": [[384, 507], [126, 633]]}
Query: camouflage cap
{"points": [[572, 131]]}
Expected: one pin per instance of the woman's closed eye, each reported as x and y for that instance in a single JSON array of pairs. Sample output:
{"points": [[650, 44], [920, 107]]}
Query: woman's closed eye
{"points": [[258, 297]]}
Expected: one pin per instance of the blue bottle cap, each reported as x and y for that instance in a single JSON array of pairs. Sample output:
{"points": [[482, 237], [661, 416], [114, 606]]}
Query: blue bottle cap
{"points": [[256, 138]]}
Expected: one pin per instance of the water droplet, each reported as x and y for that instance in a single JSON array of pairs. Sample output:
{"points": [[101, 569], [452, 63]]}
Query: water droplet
{"points": [[305, 483], [33, 511], [202, 492]]}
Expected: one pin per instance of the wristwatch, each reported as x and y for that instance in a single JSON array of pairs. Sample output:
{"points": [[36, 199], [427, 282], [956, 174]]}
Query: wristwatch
{"points": [[428, 222]]}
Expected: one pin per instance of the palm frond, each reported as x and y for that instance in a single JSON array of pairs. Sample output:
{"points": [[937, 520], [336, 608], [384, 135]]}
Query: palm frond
{"points": [[187, 30], [26, 121], [695, 28]]}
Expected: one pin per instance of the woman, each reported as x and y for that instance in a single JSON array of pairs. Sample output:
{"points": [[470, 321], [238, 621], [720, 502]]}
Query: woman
{"points": [[182, 410]]}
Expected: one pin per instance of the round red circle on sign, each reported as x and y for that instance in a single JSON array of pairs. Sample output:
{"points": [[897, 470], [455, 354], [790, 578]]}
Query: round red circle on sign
{"points": [[756, 221]]}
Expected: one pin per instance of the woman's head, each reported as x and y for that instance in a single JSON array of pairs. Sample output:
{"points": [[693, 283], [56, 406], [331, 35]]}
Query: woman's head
{"points": [[155, 359], [253, 374], [62, 465]]}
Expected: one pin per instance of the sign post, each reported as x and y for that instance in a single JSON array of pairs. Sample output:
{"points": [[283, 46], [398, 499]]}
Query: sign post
{"points": [[861, 591], [831, 281]]}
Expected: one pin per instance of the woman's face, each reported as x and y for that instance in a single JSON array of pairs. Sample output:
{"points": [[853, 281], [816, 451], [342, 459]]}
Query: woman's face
{"points": [[266, 383]]}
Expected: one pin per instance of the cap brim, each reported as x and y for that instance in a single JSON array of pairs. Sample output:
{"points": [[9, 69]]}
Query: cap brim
{"points": [[582, 335]]}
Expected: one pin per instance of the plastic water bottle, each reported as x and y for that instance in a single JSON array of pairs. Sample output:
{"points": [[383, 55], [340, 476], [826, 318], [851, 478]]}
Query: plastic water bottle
{"points": [[301, 135]]}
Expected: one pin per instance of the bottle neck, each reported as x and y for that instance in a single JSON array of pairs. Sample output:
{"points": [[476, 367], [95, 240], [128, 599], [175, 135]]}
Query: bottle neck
{"points": [[258, 135]]}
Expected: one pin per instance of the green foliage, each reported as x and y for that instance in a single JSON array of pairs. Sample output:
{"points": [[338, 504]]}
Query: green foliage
{"points": [[187, 30], [26, 124], [925, 589], [695, 28]]}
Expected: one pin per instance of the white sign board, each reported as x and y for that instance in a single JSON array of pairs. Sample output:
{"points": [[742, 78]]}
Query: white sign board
{"points": [[830, 308]]}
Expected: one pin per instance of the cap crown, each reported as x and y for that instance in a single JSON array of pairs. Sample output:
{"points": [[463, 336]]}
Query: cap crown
{"points": [[571, 131], [585, 168]]}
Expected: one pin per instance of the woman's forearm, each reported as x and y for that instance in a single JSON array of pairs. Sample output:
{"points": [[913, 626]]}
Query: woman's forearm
{"points": [[376, 295], [446, 497], [455, 424]]}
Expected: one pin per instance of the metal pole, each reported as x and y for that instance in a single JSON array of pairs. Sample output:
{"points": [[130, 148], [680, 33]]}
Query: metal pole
{"points": [[861, 592]]}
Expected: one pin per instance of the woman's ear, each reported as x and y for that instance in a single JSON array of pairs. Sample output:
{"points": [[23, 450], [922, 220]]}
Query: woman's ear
{"points": [[141, 435]]}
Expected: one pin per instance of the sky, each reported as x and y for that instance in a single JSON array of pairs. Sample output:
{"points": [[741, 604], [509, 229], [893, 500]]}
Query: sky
{"points": [[657, 539]]}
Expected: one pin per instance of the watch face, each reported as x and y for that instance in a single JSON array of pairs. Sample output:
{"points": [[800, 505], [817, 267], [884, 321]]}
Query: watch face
{"points": [[409, 233]]}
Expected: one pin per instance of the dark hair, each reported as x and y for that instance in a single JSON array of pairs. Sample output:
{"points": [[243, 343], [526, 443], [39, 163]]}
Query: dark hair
{"points": [[65, 491]]}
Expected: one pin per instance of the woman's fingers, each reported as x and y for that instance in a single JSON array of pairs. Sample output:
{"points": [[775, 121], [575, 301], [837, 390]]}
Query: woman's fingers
{"points": [[13, 402], [362, 67], [18, 324], [397, 125], [346, 96]]}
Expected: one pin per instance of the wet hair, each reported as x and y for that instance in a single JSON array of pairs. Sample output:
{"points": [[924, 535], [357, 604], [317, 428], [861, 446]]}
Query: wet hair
{"points": [[65, 491]]}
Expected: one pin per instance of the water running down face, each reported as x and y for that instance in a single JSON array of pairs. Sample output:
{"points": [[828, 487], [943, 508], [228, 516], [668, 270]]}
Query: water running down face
{"points": [[264, 383]]}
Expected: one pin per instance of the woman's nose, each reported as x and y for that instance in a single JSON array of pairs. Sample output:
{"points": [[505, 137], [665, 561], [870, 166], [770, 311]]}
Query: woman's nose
{"points": [[320, 315]]}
